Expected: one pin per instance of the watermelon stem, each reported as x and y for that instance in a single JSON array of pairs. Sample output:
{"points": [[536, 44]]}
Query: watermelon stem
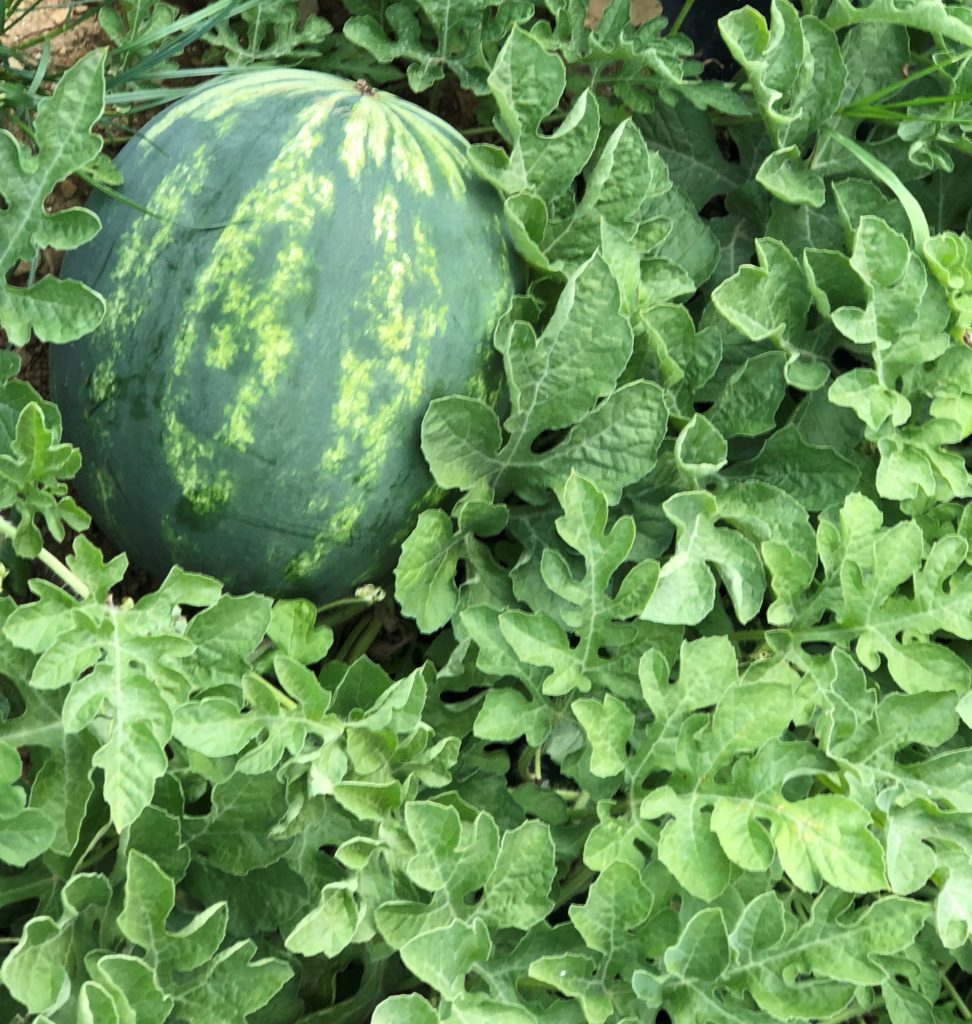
{"points": [[278, 695], [336, 613], [361, 637], [52, 562], [332, 614]]}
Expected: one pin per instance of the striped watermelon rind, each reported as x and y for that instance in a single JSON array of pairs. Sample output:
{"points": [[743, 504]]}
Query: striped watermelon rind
{"points": [[318, 264]]}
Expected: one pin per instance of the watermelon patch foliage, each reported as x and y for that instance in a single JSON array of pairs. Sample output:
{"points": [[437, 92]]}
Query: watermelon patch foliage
{"points": [[665, 714]]}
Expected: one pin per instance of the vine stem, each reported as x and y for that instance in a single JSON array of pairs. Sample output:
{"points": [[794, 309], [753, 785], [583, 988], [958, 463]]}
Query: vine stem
{"points": [[336, 613], [360, 639], [682, 15], [575, 883], [849, 1015], [92, 854], [814, 634], [745, 635], [959, 1002], [7, 529], [287, 703]]}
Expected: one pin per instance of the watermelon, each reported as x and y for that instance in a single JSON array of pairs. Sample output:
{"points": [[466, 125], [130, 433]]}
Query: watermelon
{"points": [[303, 265]]}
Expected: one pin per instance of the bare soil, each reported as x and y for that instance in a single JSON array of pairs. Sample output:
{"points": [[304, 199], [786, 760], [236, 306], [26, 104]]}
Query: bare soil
{"points": [[46, 20]]}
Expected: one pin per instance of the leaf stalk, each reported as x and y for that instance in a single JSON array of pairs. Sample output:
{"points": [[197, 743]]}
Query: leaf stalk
{"points": [[52, 562], [957, 1000]]}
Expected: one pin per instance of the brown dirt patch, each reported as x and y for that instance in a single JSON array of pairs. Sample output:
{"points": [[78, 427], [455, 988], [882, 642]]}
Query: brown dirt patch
{"points": [[72, 31], [639, 11]]}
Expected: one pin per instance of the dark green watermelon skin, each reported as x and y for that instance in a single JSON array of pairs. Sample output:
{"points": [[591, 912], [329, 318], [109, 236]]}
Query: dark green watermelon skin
{"points": [[317, 266]]}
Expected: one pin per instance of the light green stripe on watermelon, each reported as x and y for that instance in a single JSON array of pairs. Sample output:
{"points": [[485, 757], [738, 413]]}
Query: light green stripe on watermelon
{"points": [[293, 194], [137, 255], [219, 106], [250, 326], [376, 133], [437, 144], [361, 420], [365, 138], [207, 487]]}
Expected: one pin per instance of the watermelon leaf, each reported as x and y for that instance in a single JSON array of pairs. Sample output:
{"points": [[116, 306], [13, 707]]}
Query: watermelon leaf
{"points": [[32, 478], [435, 35], [272, 31], [555, 382], [27, 832], [565, 379], [56, 310]]}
